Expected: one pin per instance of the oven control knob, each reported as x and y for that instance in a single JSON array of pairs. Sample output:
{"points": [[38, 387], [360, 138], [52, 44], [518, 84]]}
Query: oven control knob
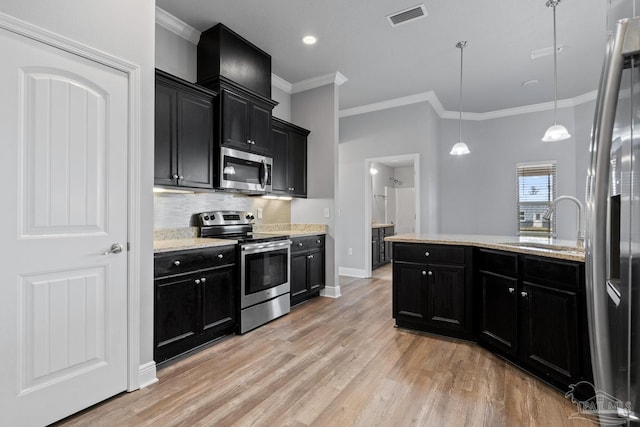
{"points": [[249, 216], [206, 218], [220, 256]]}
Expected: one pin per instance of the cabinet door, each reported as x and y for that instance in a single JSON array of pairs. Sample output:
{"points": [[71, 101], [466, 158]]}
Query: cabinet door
{"points": [[218, 308], [165, 135], [260, 129], [549, 334], [388, 232], [315, 264], [410, 292], [176, 316], [235, 121], [298, 276], [375, 248], [297, 173], [195, 140], [446, 296], [498, 321], [279, 170]]}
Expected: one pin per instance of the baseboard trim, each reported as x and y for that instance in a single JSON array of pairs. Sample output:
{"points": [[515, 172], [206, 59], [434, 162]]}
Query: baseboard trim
{"points": [[352, 272], [331, 292], [147, 374]]}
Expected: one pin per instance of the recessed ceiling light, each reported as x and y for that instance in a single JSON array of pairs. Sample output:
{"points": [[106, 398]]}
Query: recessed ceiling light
{"points": [[309, 40]]}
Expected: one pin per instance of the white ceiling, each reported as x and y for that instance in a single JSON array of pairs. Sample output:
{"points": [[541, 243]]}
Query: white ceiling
{"points": [[383, 63]]}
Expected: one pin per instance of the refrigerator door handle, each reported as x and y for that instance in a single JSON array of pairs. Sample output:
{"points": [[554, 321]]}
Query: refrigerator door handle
{"points": [[597, 207]]}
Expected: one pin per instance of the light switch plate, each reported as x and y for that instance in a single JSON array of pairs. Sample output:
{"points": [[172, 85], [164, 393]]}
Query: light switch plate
{"points": [[327, 213], [259, 213]]}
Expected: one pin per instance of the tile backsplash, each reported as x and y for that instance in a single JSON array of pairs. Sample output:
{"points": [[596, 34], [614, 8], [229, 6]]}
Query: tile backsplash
{"points": [[171, 210]]}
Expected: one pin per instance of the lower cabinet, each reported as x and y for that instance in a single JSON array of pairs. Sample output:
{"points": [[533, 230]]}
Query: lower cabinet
{"points": [[532, 311], [307, 267], [194, 299], [381, 250], [432, 288]]}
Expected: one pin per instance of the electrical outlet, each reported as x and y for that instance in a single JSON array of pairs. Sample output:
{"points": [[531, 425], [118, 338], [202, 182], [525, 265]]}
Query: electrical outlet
{"points": [[259, 213], [350, 251], [327, 213]]}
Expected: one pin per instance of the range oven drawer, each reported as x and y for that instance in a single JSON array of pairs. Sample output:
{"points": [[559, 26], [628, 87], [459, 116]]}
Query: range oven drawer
{"points": [[185, 261]]}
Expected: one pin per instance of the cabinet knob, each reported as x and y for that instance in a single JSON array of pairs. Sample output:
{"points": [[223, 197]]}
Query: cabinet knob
{"points": [[318, 241], [197, 281], [512, 290], [424, 273], [203, 279], [310, 257], [430, 273], [181, 177], [174, 176], [300, 244], [220, 256], [176, 263], [426, 253], [524, 294]]}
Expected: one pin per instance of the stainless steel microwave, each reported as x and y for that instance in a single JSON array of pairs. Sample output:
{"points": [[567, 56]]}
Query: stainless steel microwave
{"points": [[245, 172]]}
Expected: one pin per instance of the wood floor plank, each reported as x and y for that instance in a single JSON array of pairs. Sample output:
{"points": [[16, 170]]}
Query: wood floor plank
{"points": [[338, 362]]}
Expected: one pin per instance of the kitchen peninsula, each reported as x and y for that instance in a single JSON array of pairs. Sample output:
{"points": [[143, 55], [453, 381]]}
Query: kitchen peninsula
{"points": [[521, 298]]}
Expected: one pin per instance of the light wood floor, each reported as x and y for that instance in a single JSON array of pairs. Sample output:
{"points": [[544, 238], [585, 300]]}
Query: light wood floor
{"points": [[338, 362]]}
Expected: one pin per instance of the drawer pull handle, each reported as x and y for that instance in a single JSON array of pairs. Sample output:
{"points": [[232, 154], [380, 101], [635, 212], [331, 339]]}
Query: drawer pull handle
{"points": [[220, 256], [176, 263], [512, 290], [426, 253], [524, 294]]}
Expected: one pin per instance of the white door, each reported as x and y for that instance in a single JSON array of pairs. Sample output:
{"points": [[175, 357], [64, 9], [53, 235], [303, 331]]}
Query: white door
{"points": [[405, 210], [63, 304]]}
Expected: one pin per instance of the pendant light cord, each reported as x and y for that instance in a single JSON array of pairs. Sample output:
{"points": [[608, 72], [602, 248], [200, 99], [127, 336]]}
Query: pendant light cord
{"points": [[461, 46], [555, 67]]}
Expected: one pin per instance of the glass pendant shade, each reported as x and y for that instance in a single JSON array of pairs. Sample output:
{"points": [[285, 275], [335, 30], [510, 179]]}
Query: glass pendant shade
{"points": [[459, 148], [556, 132]]}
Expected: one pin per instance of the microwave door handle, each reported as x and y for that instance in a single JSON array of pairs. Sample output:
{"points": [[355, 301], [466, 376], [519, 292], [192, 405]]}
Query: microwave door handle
{"points": [[265, 174]]}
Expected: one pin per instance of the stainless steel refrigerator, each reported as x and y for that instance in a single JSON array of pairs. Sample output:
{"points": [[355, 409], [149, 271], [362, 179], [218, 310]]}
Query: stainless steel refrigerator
{"points": [[613, 240]]}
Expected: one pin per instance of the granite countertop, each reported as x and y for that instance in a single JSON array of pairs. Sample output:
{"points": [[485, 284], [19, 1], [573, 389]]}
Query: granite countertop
{"points": [[552, 248], [168, 245], [376, 225], [293, 230]]}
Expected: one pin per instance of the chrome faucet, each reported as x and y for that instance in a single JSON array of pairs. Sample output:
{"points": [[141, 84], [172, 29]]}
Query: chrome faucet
{"points": [[551, 208]]}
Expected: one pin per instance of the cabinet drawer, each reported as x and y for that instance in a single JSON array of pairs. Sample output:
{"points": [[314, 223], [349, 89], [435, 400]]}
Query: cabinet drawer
{"points": [[499, 262], [301, 244], [179, 262], [546, 271], [413, 252]]}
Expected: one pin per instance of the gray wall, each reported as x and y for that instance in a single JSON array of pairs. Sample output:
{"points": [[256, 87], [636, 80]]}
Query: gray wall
{"points": [[378, 201], [175, 55], [102, 24], [405, 130], [317, 111], [478, 191]]}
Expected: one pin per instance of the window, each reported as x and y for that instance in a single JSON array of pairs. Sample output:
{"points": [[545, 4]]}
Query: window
{"points": [[536, 189]]}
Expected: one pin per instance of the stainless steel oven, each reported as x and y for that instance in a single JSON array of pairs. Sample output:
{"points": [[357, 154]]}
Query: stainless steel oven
{"points": [[245, 172], [264, 289], [264, 282]]}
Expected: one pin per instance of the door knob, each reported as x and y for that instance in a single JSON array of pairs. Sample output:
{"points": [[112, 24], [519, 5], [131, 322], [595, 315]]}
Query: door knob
{"points": [[116, 248]]}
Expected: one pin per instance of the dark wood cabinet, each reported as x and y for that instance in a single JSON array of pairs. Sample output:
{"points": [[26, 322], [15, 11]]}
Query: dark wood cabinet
{"points": [[381, 250], [194, 299], [245, 122], [184, 130], [432, 288], [532, 311], [307, 267], [289, 171]]}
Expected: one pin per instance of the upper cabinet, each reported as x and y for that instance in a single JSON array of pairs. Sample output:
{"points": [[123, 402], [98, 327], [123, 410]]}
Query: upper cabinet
{"points": [[241, 73], [184, 129], [289, 171]]}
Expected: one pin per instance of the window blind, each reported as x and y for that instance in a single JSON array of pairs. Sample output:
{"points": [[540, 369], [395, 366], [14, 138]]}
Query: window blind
{"points": [[536, 189]]}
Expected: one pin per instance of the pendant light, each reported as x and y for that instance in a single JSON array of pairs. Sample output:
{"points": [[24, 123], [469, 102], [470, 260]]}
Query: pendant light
{"points": [[460, 148], [556, 132]]}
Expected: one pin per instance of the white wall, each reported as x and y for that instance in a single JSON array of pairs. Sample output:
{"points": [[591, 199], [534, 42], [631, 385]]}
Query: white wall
{"points": [[124, 29], [283, 109], [317, 110], [404, 130], [378, 183], [478, 191], [406, 176]]}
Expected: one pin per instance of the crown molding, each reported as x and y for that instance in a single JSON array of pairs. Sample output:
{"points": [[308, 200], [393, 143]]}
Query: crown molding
{"points": [[336, 78], [177, 26], [281, 83], [432, 98]]}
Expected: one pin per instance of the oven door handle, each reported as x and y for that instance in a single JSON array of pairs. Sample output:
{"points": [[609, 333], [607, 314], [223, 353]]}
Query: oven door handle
{"points": [[264, 247]]}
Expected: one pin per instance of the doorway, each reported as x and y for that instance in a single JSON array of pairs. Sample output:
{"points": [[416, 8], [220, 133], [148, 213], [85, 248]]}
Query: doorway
{"points": [[392, 189]]}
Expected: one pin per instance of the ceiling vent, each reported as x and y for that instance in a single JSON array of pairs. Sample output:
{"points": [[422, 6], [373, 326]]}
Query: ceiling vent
{"points": [[404, 16]]}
